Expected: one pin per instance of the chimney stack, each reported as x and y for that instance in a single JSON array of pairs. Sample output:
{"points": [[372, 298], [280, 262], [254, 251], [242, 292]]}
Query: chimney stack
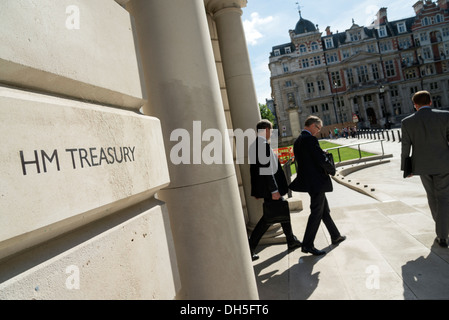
{"points": [[443, 4], [381, 16], [418, 7]]}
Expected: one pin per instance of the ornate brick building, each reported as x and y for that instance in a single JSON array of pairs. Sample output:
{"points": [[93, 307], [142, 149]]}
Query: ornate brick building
{"points": [[366, 73]]}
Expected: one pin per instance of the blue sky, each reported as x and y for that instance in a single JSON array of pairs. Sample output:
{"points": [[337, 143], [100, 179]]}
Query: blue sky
{"points": [[267, 22]]}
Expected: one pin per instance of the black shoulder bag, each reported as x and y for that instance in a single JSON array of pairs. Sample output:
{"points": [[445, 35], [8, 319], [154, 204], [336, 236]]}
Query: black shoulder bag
{"points": [[276, 211], [329, 165]]}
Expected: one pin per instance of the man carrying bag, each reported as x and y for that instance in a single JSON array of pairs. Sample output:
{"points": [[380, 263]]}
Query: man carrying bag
{"points": [[268, 182], [314, 168]]}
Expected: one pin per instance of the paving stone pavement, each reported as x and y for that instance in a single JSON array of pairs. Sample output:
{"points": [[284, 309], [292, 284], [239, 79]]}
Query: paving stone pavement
{"points": [[389, 253]]}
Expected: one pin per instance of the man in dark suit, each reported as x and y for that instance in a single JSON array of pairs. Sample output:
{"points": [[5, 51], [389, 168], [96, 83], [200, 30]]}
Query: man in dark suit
{"points": [[267, 182], [313, 178], [426, 132]]}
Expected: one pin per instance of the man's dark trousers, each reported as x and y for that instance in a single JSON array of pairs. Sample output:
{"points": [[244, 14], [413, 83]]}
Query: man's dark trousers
{"points": [[262, 227], [437, 189], [319, 209]]}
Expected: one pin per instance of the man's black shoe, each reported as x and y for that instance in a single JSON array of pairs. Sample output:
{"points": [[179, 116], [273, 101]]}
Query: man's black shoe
{"points": [[338, 240], [313, 251], [292, 245], [442, 242]]}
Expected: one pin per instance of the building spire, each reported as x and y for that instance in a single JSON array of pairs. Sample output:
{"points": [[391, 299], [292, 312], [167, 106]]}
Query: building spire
{"points": [[299, 10]]}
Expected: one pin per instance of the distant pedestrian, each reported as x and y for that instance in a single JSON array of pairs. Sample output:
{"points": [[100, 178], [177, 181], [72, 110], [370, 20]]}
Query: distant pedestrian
{"points": [[336, 132], [426, 133], [354, 131]]}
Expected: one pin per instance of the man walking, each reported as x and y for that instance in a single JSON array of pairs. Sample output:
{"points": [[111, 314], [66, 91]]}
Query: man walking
{"points": [[426, 134], [267, 182], [313, 177]]}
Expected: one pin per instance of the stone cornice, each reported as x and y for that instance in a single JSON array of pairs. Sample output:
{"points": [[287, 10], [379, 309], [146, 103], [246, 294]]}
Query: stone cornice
{"points": [[122, 2], [213, 6]]}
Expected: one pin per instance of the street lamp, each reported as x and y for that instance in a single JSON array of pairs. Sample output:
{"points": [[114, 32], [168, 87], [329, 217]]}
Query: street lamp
{"points": [[382, 106], [335, 109], [338, 102]]}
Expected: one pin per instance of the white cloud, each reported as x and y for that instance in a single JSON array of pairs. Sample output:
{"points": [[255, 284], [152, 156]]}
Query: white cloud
{"points": [[364, 13], [254, 27]]}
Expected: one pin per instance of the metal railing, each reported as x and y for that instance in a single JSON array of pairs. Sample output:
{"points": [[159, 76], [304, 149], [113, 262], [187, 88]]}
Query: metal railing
{"points": [[358, 146], [287, 166], [383, 134]]}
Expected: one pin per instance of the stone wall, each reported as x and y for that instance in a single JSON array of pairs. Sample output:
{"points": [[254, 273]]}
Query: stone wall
{"points": [[80, 165]]}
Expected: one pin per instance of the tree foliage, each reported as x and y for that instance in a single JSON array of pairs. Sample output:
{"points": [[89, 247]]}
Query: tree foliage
{"points": [[266, 113]]}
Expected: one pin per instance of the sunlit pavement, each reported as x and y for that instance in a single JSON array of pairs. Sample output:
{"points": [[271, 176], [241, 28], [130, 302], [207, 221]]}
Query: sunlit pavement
{"points": [[389, 252]]}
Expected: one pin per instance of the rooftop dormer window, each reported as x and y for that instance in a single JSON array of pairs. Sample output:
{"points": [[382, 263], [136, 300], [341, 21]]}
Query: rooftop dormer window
{"points": [[355, 36], [382, 31], [401, 27]]}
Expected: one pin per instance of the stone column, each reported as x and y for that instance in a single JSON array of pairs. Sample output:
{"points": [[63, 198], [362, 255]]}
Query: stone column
{"points": [[203, 200], [295, 125], [380, 118], [362, 111], [240, 87], [389, 106]]}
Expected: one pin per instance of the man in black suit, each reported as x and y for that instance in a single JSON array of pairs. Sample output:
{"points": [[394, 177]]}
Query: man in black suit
{"points": [[426, 134], [268, 182], [313, 177]]}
